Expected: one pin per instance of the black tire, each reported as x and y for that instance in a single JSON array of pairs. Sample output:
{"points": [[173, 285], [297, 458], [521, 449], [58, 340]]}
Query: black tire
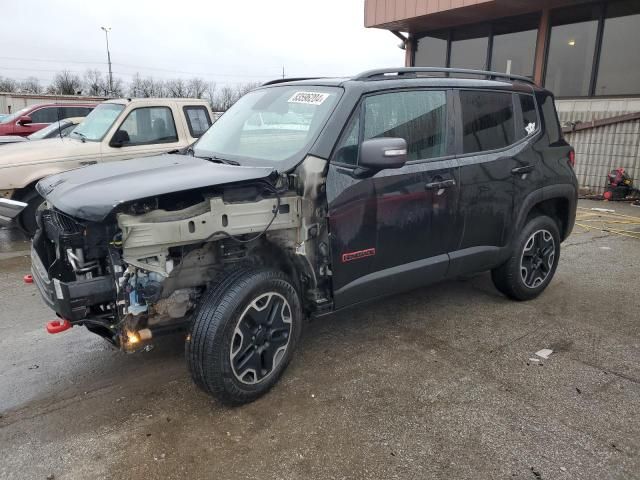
{"points": [[27, 219], [217, 342], [531, 265]]}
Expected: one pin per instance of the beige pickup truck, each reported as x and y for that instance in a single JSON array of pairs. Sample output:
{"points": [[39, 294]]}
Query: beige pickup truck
{"points": [[115, 130]]}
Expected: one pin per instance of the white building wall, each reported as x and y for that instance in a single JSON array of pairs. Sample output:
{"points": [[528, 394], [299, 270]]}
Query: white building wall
{"points": [[12, 102], [602, 149]]}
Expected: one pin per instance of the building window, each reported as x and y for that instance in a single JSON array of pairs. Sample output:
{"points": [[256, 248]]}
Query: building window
{"points": [[571, 51], [514, 45], [619, 67], [469, 47], [431, 51]]}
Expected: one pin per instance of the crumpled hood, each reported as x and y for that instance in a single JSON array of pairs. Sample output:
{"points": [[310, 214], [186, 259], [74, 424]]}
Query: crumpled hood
{"points": [[91, 193], [47, 150]]}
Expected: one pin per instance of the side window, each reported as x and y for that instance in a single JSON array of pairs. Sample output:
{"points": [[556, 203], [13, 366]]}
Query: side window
{"points": [[551, 123], [347, 151], [487, 120], [69, 112], [148, 125], [198, 120], [45, 115], [417, 116], [67, 130], [530, 121]]}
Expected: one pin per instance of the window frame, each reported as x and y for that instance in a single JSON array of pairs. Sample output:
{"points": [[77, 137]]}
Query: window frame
{"points": [[360, 111], [517, 113], [186, 116], [150, 142]]}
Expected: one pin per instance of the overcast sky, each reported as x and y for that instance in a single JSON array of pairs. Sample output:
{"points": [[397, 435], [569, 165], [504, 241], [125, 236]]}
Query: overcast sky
{"points": [[226, 42]]}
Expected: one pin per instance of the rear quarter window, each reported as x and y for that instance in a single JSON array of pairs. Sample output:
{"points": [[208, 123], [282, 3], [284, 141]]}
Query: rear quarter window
{"points": [[551, 123], [198, 120]]}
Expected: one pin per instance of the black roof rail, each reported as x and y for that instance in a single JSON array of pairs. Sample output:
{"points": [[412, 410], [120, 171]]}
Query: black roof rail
{"points": [[291, 79], [412, 72]]}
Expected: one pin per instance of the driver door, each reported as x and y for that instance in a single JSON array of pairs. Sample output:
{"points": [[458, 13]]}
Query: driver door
{"points": [[392, 230], [144, 132]]}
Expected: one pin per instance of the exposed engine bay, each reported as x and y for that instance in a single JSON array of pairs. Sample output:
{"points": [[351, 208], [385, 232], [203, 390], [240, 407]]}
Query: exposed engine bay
{"points": [[140, 272]]}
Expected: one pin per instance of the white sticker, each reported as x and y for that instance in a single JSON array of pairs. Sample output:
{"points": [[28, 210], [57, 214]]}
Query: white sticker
{"points": [[309, 98], [530, 128]]}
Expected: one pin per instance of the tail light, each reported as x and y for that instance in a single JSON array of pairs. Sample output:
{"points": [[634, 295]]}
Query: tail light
{"points": [[572, 158]]}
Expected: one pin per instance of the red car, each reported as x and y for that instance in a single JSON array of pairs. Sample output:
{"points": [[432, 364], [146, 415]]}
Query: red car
{"points": [[35, 117]]}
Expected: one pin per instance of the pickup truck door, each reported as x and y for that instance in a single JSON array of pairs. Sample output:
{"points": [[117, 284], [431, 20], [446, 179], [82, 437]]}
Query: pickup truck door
{"points": [[145, 131], [393, 231]]}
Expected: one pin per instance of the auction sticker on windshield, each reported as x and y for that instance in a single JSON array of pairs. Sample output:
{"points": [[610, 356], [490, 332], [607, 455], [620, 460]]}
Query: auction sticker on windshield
{"points": [[309, 98]]}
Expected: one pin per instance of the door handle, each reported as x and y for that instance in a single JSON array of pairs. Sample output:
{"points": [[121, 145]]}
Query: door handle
{"points": [[523, 169], [441, 184], [89, 162]]}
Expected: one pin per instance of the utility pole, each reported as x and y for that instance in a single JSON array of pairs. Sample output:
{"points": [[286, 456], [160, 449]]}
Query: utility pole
{"points": [[106, 36]]}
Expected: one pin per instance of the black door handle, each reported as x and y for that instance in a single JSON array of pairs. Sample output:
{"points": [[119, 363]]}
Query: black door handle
{"points": [[523, 169], [440, 184]]}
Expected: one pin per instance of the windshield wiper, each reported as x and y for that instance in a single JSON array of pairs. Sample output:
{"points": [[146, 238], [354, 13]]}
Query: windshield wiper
{"points": [[221, 160]]}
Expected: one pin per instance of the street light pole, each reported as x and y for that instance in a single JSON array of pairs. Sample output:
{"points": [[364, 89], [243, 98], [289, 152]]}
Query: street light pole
{"points": [[106, 36]]}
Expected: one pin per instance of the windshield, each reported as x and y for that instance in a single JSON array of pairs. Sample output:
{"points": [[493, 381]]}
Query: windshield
{"points": [[40, 134], [14, 116], [271, 125], [97, 123]]}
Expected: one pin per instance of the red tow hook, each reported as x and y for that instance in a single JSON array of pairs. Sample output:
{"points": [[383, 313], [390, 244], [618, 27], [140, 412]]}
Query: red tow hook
{"points": [[28, 279], [57, 326]]}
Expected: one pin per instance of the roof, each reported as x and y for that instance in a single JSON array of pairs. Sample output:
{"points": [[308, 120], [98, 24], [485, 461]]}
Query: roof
{"points": [[124, 101]]}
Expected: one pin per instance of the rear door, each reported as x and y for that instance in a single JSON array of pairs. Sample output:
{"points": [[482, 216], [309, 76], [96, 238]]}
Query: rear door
{"points": [[489, 151], [392, 231]]}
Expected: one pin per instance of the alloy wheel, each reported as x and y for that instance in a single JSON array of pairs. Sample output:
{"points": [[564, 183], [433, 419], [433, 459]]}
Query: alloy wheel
{"points": [[537, 258], [261, 338]]}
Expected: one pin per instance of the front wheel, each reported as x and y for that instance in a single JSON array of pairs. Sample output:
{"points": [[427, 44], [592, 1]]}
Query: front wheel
{"points": [[533, 261], [244, 334], [27, 219]]}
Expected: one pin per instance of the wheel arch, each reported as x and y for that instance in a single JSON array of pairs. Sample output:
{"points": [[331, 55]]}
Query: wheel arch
{"points": [[556, 201]]}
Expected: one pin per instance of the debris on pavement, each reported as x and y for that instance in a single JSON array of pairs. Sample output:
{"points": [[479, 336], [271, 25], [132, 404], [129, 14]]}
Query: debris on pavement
{"points": [[544, 353]]}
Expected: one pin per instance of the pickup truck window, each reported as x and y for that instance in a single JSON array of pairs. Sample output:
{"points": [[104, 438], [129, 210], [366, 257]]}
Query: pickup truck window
{"points": [[147, 125], [269, 125], [98, 122], [198, 120]]}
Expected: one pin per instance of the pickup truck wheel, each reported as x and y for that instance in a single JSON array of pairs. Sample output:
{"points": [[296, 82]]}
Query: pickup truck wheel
{"points": [[533, 261], [244, 334], [26, 221]]}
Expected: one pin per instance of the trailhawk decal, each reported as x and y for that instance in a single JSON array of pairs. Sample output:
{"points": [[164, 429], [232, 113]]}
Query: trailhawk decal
{"points": [[349, 257]]}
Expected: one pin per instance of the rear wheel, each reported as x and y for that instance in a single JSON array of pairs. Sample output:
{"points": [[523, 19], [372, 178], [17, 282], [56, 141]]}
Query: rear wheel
{"points": [[533, 261], [244, 334]]}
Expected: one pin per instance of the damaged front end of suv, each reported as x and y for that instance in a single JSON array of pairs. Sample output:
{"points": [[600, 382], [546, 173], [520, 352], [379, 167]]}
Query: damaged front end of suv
{"points": [[136, 249], [137, 270]]}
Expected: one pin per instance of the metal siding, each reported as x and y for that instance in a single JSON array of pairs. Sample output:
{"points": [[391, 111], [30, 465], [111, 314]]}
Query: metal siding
{"points": [[600, 150]]}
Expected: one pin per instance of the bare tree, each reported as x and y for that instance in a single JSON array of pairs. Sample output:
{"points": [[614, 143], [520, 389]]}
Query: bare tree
{"points": [[244, 88], [211, 93], [135, 87], [196, 88], [66, 83], [94, 84], [176, 88], [31, 85], [8, 85], [117, 87], [153, 88]]}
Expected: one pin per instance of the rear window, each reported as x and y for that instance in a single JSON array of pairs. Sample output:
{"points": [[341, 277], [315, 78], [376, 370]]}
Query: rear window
{"points": [[198, 120], [487, 121]]}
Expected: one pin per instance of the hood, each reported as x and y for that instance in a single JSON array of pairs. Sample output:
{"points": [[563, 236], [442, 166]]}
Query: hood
{"points": [[91, 193], [47, 150], [12, 139]]}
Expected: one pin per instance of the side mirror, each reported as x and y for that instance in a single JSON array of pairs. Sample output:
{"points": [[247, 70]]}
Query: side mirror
{"points": [[119, 139], [382, 153], [24, 120]]}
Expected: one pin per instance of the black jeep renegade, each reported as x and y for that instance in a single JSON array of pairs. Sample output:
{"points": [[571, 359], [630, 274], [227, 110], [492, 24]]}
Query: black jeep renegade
{"points": [[306, 197]]}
